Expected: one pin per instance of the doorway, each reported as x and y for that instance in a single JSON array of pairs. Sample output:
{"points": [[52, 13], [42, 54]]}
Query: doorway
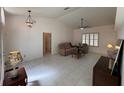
{"points": [[46, 43]]}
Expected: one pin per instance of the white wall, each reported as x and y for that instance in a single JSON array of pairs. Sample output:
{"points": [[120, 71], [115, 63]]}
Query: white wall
{"points": [[106, 35], [30, 40], [119, 22], [0, 50], [2, 25], [119, 27]]}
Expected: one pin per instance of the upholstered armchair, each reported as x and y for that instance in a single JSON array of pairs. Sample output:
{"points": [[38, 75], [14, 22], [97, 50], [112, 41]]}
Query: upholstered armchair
{"points": [[66, 48], [84, 48]]}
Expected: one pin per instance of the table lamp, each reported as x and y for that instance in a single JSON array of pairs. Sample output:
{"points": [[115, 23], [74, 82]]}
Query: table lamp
{"points": [[110, 46], [110, 53], [110, 50], [117, 47], [14, 58]]}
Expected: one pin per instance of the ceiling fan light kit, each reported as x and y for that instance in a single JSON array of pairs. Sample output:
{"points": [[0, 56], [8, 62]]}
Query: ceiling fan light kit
{"points": [[82, 27]]}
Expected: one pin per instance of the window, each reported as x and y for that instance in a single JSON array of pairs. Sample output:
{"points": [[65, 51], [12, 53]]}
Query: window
{"points": [[90, 38]]}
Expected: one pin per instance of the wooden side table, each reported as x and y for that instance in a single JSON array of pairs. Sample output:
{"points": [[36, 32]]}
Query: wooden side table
{"points": [[20, 81]]}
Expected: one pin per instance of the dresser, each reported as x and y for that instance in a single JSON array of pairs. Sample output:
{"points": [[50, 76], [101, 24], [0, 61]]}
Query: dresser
{"points": [[20, 81], [102, 75]]}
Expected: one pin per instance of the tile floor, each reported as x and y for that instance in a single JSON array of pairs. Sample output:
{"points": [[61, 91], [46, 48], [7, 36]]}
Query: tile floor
{"points": [[56, 70]]}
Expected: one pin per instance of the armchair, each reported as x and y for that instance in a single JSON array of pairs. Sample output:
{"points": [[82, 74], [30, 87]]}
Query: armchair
{"points": [[84, 48]]}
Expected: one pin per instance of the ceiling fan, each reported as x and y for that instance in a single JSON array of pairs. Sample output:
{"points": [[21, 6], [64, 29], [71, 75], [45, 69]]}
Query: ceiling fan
{"points": [[82, 27]]}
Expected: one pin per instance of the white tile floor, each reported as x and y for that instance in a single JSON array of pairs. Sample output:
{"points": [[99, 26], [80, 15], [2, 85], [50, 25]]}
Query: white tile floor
{"points": [[59, 70]]}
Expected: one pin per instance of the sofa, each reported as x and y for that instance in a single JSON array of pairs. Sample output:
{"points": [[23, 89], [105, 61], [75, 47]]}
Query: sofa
{"points": [[66, 48]]}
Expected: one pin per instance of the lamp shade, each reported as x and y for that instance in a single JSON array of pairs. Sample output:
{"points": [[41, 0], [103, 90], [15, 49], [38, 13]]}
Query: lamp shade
{"points": [[117, 47], [109, 46], [15, 57]]}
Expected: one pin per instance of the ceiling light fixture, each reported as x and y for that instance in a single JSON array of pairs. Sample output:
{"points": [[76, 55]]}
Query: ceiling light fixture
{"points": [[29, 21], [82, 27]]}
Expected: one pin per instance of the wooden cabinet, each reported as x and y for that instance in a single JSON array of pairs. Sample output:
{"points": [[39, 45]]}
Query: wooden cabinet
{"points": [[102, 75]]}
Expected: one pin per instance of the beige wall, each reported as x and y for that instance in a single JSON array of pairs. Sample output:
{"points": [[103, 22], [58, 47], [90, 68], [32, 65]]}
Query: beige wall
{"points": [[106, 35], [30, 40]]}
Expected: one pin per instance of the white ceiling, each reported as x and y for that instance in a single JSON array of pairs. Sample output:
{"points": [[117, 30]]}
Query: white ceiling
{"points": [[94, 16], [51, 12]]}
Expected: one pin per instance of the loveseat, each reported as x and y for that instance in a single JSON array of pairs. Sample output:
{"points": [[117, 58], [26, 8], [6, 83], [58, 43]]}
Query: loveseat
{"points": [[66, 48]]}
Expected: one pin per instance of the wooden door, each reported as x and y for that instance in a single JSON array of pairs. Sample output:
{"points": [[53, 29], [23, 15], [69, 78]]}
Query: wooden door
{"points": [[46, 43]]}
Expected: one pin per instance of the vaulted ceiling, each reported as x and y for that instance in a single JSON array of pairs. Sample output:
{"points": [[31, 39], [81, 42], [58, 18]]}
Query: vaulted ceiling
{"points": [[93, 16]]}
